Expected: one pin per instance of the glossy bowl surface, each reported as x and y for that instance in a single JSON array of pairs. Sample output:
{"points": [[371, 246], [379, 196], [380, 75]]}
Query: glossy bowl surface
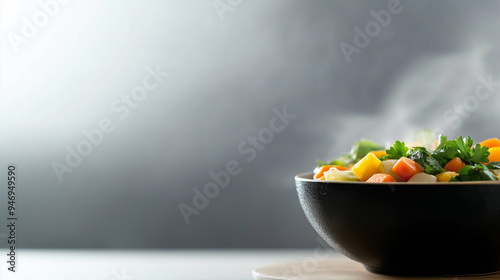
{"points": [[408, 229]]}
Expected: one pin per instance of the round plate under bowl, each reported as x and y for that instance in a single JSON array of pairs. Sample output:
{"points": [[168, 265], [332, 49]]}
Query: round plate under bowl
{"points": [[408, 229], [335, 268]]}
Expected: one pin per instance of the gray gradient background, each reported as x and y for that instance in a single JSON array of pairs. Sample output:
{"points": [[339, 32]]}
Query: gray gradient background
{"points": [[225, 79]]}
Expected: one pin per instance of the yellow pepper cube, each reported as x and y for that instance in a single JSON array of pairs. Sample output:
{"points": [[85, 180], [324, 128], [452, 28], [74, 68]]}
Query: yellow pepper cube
{"points": [[366, 167], [446, 176], [380, 153]]}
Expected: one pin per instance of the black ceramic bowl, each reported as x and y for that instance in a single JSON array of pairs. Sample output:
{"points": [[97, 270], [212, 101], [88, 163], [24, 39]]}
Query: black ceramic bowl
{"points": [[408, 229]]}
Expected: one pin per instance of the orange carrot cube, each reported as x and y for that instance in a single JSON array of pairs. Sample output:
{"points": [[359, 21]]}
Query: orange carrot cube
{"points": [[494, 154], [491, 143], [381, 178], [406, 168], [454, 165], [325, 168]]}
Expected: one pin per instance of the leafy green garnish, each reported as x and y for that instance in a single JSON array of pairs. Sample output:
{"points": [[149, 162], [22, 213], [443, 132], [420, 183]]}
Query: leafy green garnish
{"points": [[444, 154], [423, 156], [494, 165], [397, 151], [480, 154], [475, 157], [477, 172], [462, 148], [442, 141]]}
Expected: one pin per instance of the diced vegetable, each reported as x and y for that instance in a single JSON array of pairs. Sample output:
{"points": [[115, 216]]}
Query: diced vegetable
{"points": [[422, 160], [423, 178], [491, 143], [496, 172], [380, 178], [335, 175], [366, 167], [446, 176], [406, 168], [494, 154], [454, 165], [325, 168], [380, 153], [386, 167]]}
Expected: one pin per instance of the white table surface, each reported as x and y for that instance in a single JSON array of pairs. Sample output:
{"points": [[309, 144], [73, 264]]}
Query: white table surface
{"points": [[141, 264]]}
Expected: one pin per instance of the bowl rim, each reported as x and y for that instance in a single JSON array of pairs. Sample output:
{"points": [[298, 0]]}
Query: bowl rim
{"points": [[308, 177]]}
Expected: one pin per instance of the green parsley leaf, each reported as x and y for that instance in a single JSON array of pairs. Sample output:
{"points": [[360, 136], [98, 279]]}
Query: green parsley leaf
{"points": [[477, 172], [444, 155], [463, 147], [397, 151], [442, 141], [480, 154], [494, 165], [423, 156]]}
